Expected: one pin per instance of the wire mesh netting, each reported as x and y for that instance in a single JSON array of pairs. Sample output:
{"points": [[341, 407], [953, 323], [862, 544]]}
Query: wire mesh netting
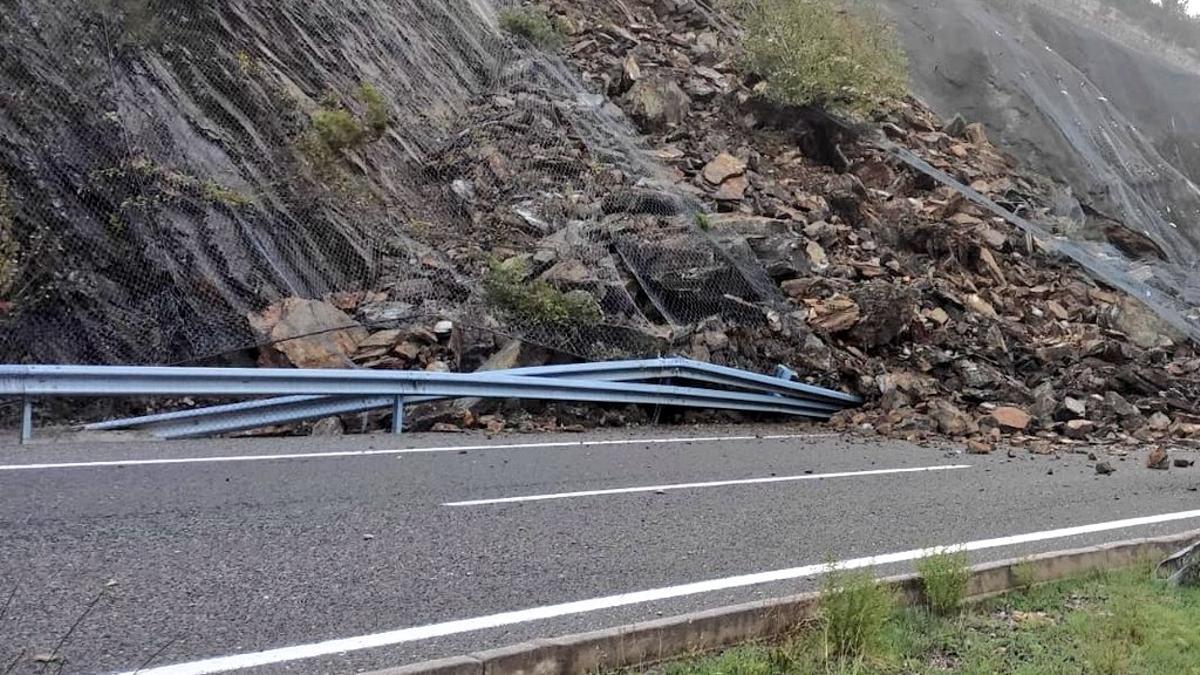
{"points": [[171, 168], [171, 171]]}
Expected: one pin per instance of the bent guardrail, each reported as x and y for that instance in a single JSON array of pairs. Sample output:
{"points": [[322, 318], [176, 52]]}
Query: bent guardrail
{"points": [[307, 394]]}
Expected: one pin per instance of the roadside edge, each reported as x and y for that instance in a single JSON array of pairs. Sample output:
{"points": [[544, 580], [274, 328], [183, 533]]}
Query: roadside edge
{"points": [[655, 641]]}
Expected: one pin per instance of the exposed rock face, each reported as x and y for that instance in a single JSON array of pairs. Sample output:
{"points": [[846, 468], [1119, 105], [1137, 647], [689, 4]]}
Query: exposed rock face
{"points": [[160, 167], [1076, 104], [635, 173]]}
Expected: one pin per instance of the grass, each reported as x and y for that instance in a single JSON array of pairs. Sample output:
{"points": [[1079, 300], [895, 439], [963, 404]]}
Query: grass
{"points": [[839, 55], [944, 576], [532, 23], [1110, 623], [10, 250], [855, 610], [537, 302]]}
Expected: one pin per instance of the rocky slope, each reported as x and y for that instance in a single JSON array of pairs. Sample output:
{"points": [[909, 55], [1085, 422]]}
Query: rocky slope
{"points": [[162, 175], [783, 235], [625, 194], [1112, 122]]}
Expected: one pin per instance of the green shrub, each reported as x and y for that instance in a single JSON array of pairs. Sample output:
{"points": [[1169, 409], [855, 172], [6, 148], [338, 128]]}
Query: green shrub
{"points": [[944, 577], [377, 118], [532, 23], [337, 129], [10, 250], [855, 611], [537, 301], [820, 52]]}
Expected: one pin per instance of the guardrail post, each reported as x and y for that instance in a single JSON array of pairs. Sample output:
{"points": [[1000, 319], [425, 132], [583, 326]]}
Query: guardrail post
{"points": [[398, 415], [26, 420]]}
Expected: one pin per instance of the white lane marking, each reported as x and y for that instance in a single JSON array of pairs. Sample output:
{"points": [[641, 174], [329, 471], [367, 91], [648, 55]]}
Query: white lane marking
{"points": [[710, 484], [404, 451], [284, 654]]}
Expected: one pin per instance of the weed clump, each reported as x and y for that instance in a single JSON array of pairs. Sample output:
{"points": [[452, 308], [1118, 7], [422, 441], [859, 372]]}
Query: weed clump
{"points": [[855, 611], [944, 577], [10, 250], [537, 301], [377, 118], [823, 53], [338, 129], [533, 24]]}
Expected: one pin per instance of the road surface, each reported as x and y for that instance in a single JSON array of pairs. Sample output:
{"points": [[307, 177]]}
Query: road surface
{"points": [[352, 554]]}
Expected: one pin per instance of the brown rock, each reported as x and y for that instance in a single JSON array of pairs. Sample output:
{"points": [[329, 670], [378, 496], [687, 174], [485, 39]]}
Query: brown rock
{"points": [[950, 420], [976, 134], [964, 219], [1071, 409], [1144, 328], [816, 256], [569, 273], [937, 315], [307, 334], [1078, 428], [732, 190], [975, 447], [657, 104], [329, 426], [834, 315], [979, 305], [1158, 422], [384, 339], [723, 167], [993, 238], [1158, 459], [887, 310], [1011, 418], [408, 349], [631, 72]]}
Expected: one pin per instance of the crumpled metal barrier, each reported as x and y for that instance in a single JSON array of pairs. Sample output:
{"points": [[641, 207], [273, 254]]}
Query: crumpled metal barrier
{"points": [[306, 394]]}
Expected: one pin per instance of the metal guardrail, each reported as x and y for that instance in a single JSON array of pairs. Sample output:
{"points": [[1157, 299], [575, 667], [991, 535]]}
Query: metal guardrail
{"points": [[307, 394]]}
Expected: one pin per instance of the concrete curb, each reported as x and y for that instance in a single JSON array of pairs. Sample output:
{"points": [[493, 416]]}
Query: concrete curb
{"points": [[680, 636]]}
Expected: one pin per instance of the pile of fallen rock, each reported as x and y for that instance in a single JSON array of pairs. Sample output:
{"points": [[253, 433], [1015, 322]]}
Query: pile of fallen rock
{"points": [[947, 318], [950, 321]]}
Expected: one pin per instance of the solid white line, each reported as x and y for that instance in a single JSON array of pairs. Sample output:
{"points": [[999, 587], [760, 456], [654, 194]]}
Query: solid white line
{"points": [[405, 451], [716, 483], [316, 649]]}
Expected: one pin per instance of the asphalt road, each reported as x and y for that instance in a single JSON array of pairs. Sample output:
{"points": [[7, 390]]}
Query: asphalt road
{"points": [[192, 551]]}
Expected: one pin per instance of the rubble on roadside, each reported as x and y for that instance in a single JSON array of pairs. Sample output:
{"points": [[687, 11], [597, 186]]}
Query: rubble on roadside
{"points": [[946, 318]]}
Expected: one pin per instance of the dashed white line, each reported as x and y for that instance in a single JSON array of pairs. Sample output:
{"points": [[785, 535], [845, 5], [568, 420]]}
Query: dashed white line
{"points": [[402, 451], [709, 484], [403, 635]]}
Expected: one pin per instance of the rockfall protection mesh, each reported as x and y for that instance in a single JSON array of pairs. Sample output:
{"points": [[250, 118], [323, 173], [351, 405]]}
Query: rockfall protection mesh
{"points": [[172, 167]]}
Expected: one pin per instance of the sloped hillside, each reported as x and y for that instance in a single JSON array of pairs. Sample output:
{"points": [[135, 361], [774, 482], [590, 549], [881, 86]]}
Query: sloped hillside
{"points": [[409, 184]]}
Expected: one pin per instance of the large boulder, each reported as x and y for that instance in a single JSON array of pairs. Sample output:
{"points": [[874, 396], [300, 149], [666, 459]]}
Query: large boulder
{"points": [[306, 334], [887, 310], [656, 104], [1144, 328]]}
